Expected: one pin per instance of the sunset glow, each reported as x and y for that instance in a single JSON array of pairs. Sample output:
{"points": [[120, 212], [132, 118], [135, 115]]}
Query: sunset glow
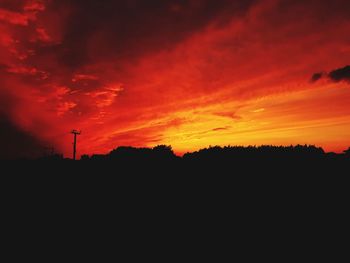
{"points": [[186, 73]]}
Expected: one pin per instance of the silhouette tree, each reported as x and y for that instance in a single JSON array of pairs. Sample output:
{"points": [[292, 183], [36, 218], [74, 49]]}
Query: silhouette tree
{"points": [[85, 157], [347, 152]]}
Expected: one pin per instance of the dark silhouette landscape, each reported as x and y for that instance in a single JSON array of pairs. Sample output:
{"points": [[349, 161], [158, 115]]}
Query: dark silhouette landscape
{"points": [[297, 188], [213, 161]]}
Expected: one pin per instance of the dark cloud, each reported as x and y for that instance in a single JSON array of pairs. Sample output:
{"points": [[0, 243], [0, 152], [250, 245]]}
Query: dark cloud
{"points": [[12, 5], [16, 143], [124, 29], [340, 74], [317, 76]]}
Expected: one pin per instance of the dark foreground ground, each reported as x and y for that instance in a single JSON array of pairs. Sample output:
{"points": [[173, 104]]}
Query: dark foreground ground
{"points": [[267, 202]]}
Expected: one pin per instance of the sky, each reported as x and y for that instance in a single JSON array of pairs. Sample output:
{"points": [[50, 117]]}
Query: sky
{"points": [[185, 73]]}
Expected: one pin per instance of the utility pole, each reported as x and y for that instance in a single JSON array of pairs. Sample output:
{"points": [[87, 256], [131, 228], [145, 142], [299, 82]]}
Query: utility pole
{"points": [[75, 133]]}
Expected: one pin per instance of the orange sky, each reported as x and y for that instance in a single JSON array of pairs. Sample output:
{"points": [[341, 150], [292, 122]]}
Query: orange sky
{"points": [[184, 73]]}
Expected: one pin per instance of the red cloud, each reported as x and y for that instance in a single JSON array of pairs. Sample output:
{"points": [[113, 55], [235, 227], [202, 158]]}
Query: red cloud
{"points": [[34, 5], [14, 17]]}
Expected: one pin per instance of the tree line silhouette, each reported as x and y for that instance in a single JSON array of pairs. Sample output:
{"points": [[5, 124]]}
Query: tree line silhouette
{"points": [[165, 153], [216, 153], [228, 159]]}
